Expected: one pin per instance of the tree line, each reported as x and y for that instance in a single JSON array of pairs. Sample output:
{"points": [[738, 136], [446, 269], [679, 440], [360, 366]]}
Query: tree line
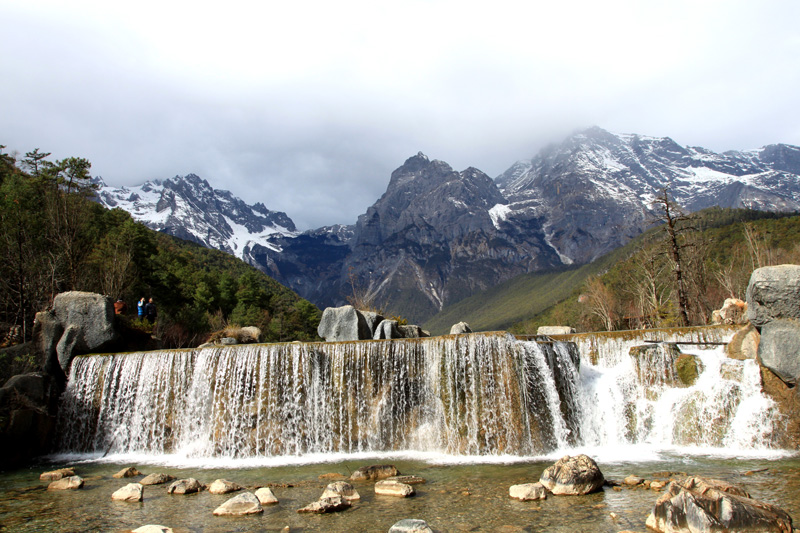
{"points": [[679, 272], [54, 238]]}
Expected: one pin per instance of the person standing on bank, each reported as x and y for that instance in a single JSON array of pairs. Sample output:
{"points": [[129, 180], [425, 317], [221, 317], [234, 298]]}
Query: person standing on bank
{"points": [[150, 311], [140, 308]]}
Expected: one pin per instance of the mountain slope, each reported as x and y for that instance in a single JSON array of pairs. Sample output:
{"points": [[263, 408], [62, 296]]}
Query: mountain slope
{"points": [[189, 208], [595, 189]]}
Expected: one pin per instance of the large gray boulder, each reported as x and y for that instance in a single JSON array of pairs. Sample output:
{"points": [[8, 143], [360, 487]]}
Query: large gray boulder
{"points": [[460, 328], [779, 348], [773, 293], [708, 505], [79, 323], [372, 319], [387, 329], [573, 475], [344, 323], [132, 492], [555, 330]]}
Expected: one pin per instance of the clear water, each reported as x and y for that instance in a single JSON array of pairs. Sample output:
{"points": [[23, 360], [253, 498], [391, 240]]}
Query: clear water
{"points": [[457, 496], [472, 414]]}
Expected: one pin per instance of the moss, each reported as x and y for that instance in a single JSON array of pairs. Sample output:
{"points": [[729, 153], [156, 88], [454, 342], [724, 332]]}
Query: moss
{"points": [[688, 368]]}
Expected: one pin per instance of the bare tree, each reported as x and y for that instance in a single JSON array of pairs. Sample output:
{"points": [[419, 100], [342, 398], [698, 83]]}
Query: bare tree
{"points": [[671, 215], [602, 302]]}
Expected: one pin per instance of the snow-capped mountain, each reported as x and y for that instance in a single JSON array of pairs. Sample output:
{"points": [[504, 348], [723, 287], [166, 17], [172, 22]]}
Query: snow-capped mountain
{"points": [[189, 208], [595, 190], [438, 235]]}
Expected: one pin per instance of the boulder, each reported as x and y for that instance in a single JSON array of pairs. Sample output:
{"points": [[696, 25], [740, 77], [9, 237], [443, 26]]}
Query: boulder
{"points": [[573, 475], [228, 341], [38, 388], [265, 496], [460, 328], [249, 334], [555, 330], [55, 475], [344, 323], [66, 483], [408, 480], [223, 486], [394, 488], [708, 505], [633, 480], [412, 331], [374, 473], [152, 528], [528, 491], [744, 343], [79, 323], [779, 348], [733, 311], [132, 492], [242, 504], [156, 479], [185, 486], [387, 330], [372, 319], [773, 293], [342, 489], [127, 472], [411, 525], [326, 505]]}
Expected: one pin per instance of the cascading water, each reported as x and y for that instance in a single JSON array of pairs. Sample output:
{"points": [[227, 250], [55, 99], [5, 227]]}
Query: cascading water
{"points": [[478, 394], [472, 394]]}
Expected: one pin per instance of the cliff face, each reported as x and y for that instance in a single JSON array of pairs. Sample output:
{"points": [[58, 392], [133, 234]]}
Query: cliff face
{"points": [[438, 235], [595, 190]]}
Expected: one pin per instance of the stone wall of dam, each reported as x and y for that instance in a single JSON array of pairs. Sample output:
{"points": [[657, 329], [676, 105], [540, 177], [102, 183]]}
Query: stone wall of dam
{"points": [[474, 394]]}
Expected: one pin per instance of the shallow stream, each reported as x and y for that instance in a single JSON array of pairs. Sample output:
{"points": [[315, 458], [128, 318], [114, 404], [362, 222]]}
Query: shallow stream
{"points": [[458, 496]]}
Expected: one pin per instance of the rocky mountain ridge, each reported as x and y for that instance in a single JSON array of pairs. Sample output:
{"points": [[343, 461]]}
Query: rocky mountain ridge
{"points": [[438, 235], [189, 208]]}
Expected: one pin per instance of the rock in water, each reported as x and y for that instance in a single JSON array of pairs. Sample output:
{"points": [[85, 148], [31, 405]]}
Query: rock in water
{"points": [[411, 525], [265, 496], [55, 475], [156, 479], [744, 343], [779, 349], [326, 505], [223, 486], [152, 528], [342, 489], [66, 483], [573, 475], [185, 486], [374, 473], [394, 488], [132, 492], [528, 491], [127, 472], [244, 503], [713, 506]]}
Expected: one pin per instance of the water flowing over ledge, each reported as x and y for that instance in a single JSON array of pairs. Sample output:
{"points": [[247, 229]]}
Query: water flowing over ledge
{"points": [[478, 395]]}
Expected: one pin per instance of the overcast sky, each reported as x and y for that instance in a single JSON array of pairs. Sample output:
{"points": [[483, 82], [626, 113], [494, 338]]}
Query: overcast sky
{"points": [[308, 106]]}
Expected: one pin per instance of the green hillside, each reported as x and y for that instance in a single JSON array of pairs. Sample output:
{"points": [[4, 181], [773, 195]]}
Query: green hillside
{"points": [[53, 239], [719, 261]]}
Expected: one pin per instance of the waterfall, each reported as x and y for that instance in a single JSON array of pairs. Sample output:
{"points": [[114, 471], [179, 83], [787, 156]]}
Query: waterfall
{"points": [[468, 395]]}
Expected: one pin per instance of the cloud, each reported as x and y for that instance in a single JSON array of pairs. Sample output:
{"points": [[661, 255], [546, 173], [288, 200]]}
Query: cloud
{"points": [[309, 106]]}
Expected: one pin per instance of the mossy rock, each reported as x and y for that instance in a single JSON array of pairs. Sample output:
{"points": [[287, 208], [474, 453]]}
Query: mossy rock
{"points": [[688, 368]]}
